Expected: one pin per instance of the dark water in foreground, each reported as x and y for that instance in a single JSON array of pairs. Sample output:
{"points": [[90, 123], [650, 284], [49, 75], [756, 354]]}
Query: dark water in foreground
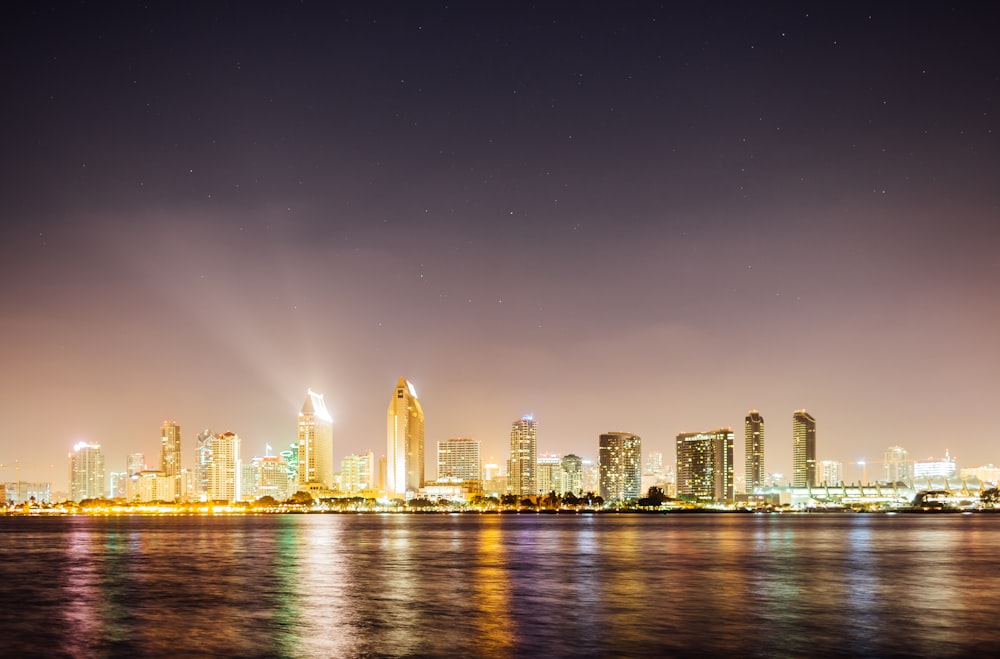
{"points": [[525, 585]]}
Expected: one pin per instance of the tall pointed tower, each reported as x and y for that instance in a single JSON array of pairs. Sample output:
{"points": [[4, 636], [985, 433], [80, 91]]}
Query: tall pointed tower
{"points": [[315, 443], [404, 442]]}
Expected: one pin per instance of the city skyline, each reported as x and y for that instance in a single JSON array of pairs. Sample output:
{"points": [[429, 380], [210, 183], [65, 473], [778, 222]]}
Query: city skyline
{"points": [[572, 211], [315, 423]]}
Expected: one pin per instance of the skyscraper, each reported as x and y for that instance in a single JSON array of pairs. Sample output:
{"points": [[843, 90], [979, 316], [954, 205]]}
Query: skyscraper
{"points": [[620, 460], [404, 442], [202, 463], [134, 463], [357, 472], [459, 458], [86, 472], [897, 464], [170, 454], [705, 465], [224, 469], [315, 444], [831, 472], [572, 474], [803, 449], [754, 434], [523, 457], [272, 474], [548, 475]]}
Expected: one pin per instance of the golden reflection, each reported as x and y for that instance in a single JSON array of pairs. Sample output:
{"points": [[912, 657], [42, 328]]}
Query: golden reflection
{"points": [[491, 589], [322, 577]]}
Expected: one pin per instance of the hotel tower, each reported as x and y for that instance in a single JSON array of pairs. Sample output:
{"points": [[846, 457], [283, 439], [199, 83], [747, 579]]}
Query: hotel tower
{"points": [[803, 449], [404, 471], [170, 455], [754, 434], [521, 477], [315, 444]]}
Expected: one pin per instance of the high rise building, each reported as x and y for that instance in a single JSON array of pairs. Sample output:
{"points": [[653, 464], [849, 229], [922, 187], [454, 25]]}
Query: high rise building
{"points": [[134, 463], [705, 465], [831, 472], [572, 474], [202, 462], [548, 475], [272, 472], [523, 457], [119, 484], [86, 472], [897, 465], [170, 454], [803, 449], [620, 460], [224, 469], [357, 472], [404, 442], [315, 444], [459, 458], [754, 434], [249, 479]]}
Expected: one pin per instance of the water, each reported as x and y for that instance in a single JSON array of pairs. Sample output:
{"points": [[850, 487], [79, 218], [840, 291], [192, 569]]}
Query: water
{"points": [[508, 585]]}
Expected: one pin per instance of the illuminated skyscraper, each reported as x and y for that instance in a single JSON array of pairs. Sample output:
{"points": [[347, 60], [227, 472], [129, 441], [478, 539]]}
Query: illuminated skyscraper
{"points": [[572, 474], [404, 442], [170, 454], [548, 475], [86, 472], [134, 463], [272, 473], [831, 472], [803, 449], [357, 472], [705, 465], [315, 443], [754, 433], [523, 457], [202, 463], [898, 467], [620, 460], [224, 469], [459, 458]]}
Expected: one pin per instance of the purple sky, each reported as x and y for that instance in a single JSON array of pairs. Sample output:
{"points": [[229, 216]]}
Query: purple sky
{"points": [[648, 219]]}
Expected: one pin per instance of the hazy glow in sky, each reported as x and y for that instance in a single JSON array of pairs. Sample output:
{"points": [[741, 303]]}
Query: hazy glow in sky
{"points": [[649, 219]]}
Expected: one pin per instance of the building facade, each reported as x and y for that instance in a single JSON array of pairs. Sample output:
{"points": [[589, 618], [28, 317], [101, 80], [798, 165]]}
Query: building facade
{"points": [[357, 472], [946, 468], [754, 435], [572, 474], [272, 474], [548, 475], [897, 466], [224, 470], [86, 472], [459, 458], [170, 454], [831, 472], [620, 465], [315, 443], [404, 470], [705, 466], [803, 449], [523, 462]]}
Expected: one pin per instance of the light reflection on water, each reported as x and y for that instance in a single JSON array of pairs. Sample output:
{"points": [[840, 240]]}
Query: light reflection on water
{"points": [[501, 585]]}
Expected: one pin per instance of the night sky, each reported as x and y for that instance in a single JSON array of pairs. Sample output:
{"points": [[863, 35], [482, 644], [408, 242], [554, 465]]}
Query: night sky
{"points": [[649, 218]]}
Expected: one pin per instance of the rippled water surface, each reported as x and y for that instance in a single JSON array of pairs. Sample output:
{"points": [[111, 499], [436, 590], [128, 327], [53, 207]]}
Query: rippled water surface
{"points": [[510, 585]]}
